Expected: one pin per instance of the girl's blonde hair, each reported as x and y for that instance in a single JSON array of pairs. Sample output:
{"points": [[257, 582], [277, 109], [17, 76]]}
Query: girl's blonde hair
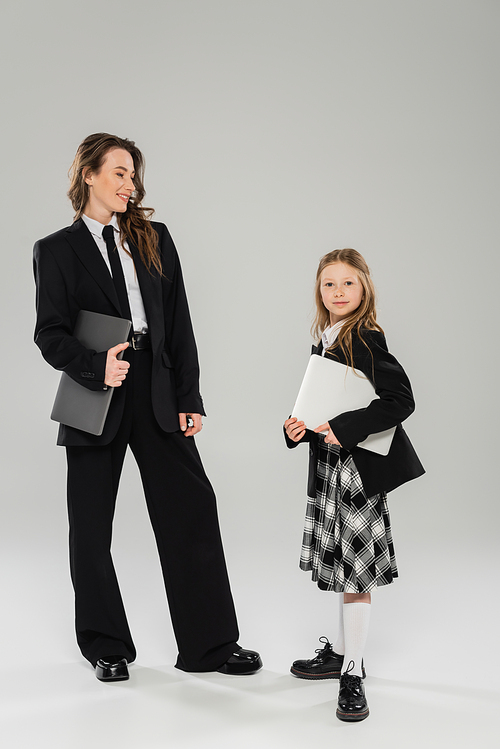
{"points": [[365, 316]]}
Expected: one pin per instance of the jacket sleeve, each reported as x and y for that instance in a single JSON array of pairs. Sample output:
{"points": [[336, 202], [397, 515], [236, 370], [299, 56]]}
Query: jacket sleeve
{"points": [[392, 386], [54, 326], [179, 330], [308, 437]]}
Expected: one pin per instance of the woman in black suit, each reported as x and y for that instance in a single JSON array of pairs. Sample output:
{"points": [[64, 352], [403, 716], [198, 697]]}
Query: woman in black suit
{"points": [[115, 261]]}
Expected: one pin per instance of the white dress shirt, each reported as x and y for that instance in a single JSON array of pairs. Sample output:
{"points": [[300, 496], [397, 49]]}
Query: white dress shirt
{"points": [[330, 335], [139, 321]]}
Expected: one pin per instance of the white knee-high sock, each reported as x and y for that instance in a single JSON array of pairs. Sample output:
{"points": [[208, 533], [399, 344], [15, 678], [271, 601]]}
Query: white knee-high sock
{"points": [[339, 646], [356, 625]]}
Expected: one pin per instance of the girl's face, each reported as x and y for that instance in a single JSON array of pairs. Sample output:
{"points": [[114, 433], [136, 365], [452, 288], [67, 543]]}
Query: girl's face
{"points": [[110, 187], [341, 291]]}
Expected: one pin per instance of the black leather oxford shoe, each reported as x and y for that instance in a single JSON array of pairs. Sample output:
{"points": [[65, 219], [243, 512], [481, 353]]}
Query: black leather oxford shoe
{"points": [[352, 704], [327, 664], [111, 668], [242, 663]]}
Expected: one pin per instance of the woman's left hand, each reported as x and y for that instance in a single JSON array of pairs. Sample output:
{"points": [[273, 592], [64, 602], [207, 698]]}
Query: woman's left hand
{"points": [[190, 431], [329, 436]]}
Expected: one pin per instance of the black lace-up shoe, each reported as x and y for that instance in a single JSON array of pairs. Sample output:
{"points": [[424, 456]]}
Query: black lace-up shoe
{"points": [[326, 665], [352, 704]]}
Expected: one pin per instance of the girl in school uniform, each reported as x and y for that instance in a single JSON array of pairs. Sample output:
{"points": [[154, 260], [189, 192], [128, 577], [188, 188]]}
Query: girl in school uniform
{"points": [[347, 543]]}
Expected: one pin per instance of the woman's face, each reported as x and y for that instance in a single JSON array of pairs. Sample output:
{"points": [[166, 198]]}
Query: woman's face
{"points": [[341, 291], [110, 188]]}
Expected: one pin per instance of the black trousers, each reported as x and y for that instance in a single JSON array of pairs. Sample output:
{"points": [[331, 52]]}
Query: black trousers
{"points": [[182, 508]]}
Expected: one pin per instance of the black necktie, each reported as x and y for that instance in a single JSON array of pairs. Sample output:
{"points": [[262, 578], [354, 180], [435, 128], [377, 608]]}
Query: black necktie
{"points": [[108, 234]]}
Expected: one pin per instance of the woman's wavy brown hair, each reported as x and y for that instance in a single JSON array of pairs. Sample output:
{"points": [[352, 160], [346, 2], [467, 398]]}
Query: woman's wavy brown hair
{"points": [[366, 314], [135, 225]]}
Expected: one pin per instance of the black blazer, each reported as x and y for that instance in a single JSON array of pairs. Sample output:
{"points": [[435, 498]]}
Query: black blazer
{"points": [[394, 404], [71, 275]]}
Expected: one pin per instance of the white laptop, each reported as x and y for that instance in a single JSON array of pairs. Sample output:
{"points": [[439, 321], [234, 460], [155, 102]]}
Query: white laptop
{"points": [[330, 388]]}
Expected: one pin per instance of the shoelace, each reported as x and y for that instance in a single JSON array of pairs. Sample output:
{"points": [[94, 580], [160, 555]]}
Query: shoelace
{"points": [[350, 667], [321, 651], [326, 642], [352, 683]]}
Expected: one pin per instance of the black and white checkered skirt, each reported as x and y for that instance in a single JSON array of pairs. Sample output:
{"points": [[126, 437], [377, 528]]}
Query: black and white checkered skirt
{"points": [[347, 543]]}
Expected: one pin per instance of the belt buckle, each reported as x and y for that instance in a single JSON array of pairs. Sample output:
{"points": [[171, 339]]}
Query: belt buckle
{"points": [[133, 342]]}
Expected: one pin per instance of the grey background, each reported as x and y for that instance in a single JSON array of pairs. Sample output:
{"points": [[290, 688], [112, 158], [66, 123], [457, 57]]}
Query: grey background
{"points": [[274, 131]]}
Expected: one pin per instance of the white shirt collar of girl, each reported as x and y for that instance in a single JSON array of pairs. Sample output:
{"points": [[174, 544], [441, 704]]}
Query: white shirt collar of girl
{"points": [[330, 334]]}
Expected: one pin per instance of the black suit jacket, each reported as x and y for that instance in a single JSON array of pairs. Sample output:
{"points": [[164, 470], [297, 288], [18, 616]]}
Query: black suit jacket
{"points": [[394, 404], [71, 275]]}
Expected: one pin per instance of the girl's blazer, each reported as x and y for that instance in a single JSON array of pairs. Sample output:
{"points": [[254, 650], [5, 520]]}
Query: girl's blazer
{"points": [[393, 405], [71, 275]]}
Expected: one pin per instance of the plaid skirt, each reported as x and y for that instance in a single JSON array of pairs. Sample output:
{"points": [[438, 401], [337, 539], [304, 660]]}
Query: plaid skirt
{"points": [[347, 542]]}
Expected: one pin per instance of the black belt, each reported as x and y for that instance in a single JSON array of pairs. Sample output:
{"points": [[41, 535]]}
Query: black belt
{"points": [[140, 341]]}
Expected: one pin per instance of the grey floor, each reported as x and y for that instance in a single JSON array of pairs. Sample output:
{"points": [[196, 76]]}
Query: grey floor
{"points": [[423, 690], [431, 661], [67, 707]]}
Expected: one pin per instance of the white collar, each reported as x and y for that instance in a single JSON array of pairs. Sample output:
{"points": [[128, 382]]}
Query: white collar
{"points": [[330, 334], [96, 228]]}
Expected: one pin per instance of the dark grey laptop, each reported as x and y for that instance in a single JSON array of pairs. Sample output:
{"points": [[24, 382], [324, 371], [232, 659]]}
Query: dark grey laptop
{"points": [[75, 405]]}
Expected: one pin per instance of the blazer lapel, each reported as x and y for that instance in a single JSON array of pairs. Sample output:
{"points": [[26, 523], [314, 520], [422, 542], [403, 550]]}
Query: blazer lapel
{"points": [[317, 349], [84, 246]]}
